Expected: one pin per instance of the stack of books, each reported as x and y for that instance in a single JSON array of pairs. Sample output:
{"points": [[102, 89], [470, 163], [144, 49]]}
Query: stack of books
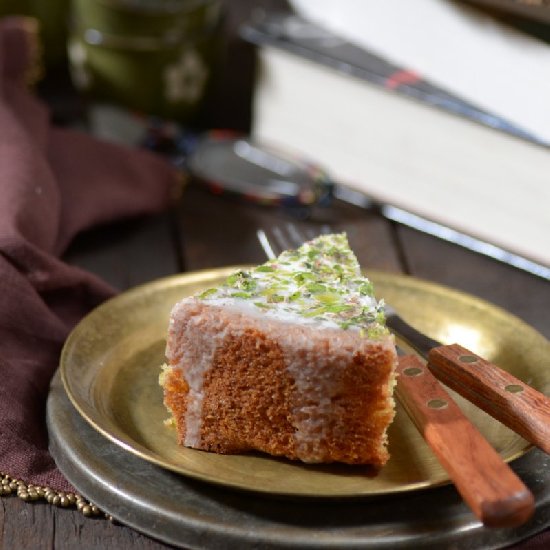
{"points": [[387, 132]]}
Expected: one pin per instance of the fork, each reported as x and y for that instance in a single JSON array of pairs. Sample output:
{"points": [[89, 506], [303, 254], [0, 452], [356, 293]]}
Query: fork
{"points": [[487, 484]]}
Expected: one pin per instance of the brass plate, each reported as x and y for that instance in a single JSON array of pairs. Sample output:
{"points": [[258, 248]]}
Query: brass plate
{"points": [[110, 367]]}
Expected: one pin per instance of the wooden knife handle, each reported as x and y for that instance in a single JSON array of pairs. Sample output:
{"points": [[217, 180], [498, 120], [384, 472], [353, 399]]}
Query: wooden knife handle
{"points": [[509, 400], [487, 484]]}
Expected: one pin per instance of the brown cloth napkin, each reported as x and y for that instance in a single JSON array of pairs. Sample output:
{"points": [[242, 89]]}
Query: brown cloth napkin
{"points": [[53, 184]]}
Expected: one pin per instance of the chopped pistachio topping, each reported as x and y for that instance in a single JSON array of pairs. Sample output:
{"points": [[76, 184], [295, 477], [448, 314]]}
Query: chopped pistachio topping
{"points": [[319, 281]]}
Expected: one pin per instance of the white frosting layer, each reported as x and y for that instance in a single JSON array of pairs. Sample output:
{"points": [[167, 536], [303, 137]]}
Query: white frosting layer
{"points": [[277, 313], [320, 283]]}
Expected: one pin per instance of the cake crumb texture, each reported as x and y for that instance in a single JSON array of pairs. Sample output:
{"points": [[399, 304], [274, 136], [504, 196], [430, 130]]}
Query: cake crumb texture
{"points": [[313, 395]]}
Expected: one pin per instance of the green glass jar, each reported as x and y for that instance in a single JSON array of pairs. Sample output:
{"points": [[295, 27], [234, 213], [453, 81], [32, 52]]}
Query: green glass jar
{"points": [[156, 57]]}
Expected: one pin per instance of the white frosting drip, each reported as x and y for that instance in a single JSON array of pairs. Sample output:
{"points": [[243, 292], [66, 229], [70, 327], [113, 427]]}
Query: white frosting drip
{"points": [[312, 399], [197, 362]]}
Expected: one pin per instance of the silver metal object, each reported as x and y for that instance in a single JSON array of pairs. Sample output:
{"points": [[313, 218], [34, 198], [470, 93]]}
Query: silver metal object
{"points": [[286, 236], [416, 339], [466, 241], [242, 167]]}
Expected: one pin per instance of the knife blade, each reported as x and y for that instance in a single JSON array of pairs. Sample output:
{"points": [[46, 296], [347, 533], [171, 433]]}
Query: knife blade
{"points": [[486, 483], [500, 394]]}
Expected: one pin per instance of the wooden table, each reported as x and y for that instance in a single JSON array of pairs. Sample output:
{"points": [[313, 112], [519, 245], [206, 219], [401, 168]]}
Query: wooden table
{"points": [[205, 231]]}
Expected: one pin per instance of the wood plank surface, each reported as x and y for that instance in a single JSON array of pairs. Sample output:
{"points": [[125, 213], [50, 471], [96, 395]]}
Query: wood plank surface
{"points": [[223, 231], [130, 253]]}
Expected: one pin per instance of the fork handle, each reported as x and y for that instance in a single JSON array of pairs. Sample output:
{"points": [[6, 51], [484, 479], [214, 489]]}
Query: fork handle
{"points": [[509, 400], [493, 491]]}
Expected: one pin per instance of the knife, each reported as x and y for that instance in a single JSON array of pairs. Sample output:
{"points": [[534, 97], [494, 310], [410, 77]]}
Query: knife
{"points": [[486, 483], [514, 403]]}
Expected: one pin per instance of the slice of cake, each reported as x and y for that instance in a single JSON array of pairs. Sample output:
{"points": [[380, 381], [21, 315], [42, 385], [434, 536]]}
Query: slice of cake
{"points": [[291, 358]]}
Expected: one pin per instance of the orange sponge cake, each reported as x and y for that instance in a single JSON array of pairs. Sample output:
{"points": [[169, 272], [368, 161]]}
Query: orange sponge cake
{"points": [[291, 358]]}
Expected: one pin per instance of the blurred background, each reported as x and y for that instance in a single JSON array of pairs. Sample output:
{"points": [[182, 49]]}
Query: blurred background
{"points": [[181, 60], [154, 72]]}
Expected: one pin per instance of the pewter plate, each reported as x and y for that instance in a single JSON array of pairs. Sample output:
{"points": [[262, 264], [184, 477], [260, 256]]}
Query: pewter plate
{"points": [[111, 362], [187, 513]]}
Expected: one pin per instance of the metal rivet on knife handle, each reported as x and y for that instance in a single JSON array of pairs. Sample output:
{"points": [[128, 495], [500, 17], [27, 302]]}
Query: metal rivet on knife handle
{"points": [[487, 484], [496, 391], [413, 371], [437, 404], [513, 388], [468, 358]]}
